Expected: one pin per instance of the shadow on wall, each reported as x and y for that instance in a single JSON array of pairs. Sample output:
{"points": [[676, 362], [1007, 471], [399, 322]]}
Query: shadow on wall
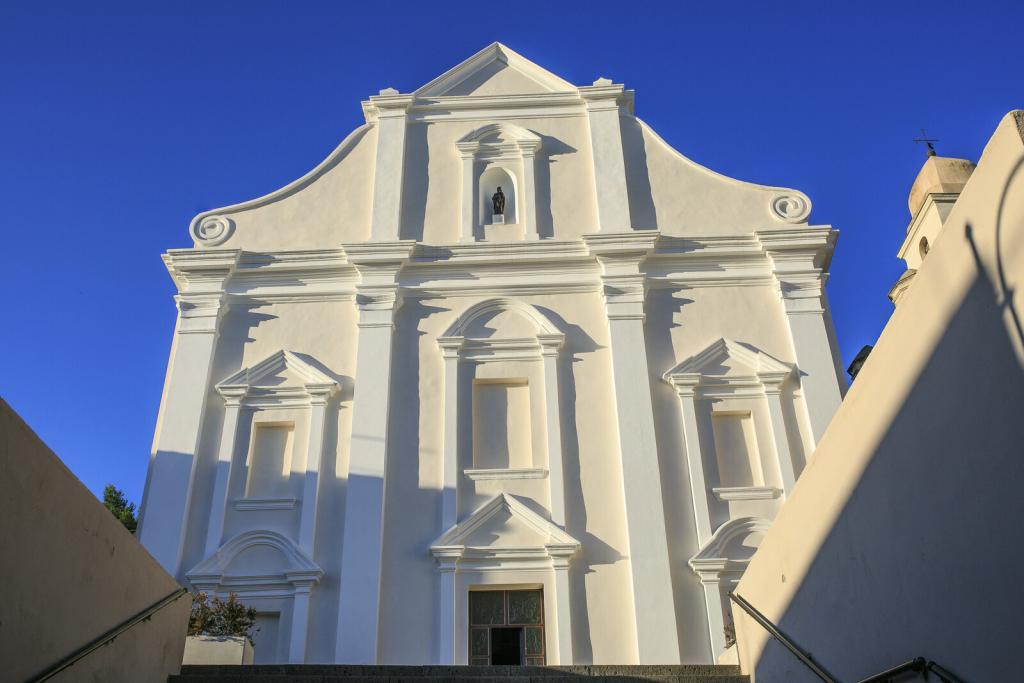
{"points": [[664, 310], [642, 209], [408, 569], [417, 182], [593, 550], [922, 558], [551, 149]]}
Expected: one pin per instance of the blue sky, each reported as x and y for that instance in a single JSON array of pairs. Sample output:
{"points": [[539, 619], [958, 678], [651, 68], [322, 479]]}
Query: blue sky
{"points": [[118, 123]]}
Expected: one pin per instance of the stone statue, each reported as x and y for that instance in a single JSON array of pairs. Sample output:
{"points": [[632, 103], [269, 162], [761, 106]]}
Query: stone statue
{"points": [[498, 200]]}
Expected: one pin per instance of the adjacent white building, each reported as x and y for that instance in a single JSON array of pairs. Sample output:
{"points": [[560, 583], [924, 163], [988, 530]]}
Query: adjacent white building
{"points": [[409, 429]]}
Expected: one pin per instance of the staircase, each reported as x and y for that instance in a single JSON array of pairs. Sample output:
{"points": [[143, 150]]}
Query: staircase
{"points": [[345, 673]]}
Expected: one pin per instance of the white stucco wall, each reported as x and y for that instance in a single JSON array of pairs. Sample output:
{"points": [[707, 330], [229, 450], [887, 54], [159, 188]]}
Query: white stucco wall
{"points": [[592, 307], [73, 572], [899, 540]]}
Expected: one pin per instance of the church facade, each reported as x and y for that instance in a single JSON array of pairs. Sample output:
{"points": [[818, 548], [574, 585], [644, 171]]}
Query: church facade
{"points": [[411, 418]]}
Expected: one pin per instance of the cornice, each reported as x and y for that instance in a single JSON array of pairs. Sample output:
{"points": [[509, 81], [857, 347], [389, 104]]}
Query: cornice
{"points": [[201, 270], [800, 248], [604, 95], [414, 269]]}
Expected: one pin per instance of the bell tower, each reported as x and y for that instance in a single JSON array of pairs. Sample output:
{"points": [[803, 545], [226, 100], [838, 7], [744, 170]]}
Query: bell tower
{"points": [[932, 196]]}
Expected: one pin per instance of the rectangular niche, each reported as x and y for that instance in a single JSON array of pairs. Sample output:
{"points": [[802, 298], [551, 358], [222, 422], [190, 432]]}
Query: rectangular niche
{"points": [[267, 638], [502, 437], [736, 450], [270, 460]]}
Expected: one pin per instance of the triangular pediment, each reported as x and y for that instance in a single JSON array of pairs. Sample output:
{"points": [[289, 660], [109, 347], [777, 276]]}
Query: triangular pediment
{"points": [[281, 369], [504, 524], [725, 358], [495, 70]]}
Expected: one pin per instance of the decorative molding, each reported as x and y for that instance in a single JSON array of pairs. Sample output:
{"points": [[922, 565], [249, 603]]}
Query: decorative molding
{"points": [[300, 571], [247, 385], [506, 474], [605, 95], [200, 313], [717, 557], [621, 256], [502, 142], [201, 271], [553, 542], [264, 503], [705, 371], [212, 230], [731, 493], [460, 327], [791, 206], [506, 269]]}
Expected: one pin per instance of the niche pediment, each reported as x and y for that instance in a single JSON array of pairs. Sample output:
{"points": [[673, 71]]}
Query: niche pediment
{"points": [[281, 375], [254, 560], [728, 362], [731, 547], [504, 527]]}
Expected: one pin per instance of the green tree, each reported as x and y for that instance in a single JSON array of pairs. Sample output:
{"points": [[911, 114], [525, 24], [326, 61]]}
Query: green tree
{"points": [[115, 501]]}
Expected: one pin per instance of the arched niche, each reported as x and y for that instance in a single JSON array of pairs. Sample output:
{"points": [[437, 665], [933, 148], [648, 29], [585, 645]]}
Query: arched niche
{"points": [[491, 348], [499, 154], [490, 180]]}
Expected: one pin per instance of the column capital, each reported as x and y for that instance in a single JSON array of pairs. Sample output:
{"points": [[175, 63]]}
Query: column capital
{"points": [[561, 556], [450, 346], [378, 293], [621, 256], [200, 313], [447, 562], [468, 150], [234, 394], [321, 393], [802, 292], [685, 384]]}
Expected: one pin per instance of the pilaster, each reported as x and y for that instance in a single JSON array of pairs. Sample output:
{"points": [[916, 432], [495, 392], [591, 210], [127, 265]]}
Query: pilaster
{"points": [[319, 396], [603, 100], [563, 606], [391, 111], [800, 258], [686, 389], [528, 149], [446, 566], [233, 398], [450, 349], [787, 468], [550, 347], [378, 298], [300, 622], [621, 257], [201, 277], [467, 153]]}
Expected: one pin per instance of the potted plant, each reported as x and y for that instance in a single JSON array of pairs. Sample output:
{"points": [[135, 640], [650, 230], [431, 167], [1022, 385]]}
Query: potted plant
{"points": [[219, 631]]}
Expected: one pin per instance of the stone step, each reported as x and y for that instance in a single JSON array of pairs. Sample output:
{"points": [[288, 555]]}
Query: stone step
{"points": [[298, 678], [343, 673]]}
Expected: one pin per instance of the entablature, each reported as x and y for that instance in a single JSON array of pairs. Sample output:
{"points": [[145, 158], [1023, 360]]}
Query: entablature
{"points": [[794, 259]]}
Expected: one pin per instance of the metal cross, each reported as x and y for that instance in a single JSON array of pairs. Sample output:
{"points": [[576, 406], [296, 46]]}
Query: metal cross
{"points": [[928, 141]]}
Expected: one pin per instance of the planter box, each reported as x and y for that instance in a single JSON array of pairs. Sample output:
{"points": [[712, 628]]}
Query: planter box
{"points": [[217, 650]]}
